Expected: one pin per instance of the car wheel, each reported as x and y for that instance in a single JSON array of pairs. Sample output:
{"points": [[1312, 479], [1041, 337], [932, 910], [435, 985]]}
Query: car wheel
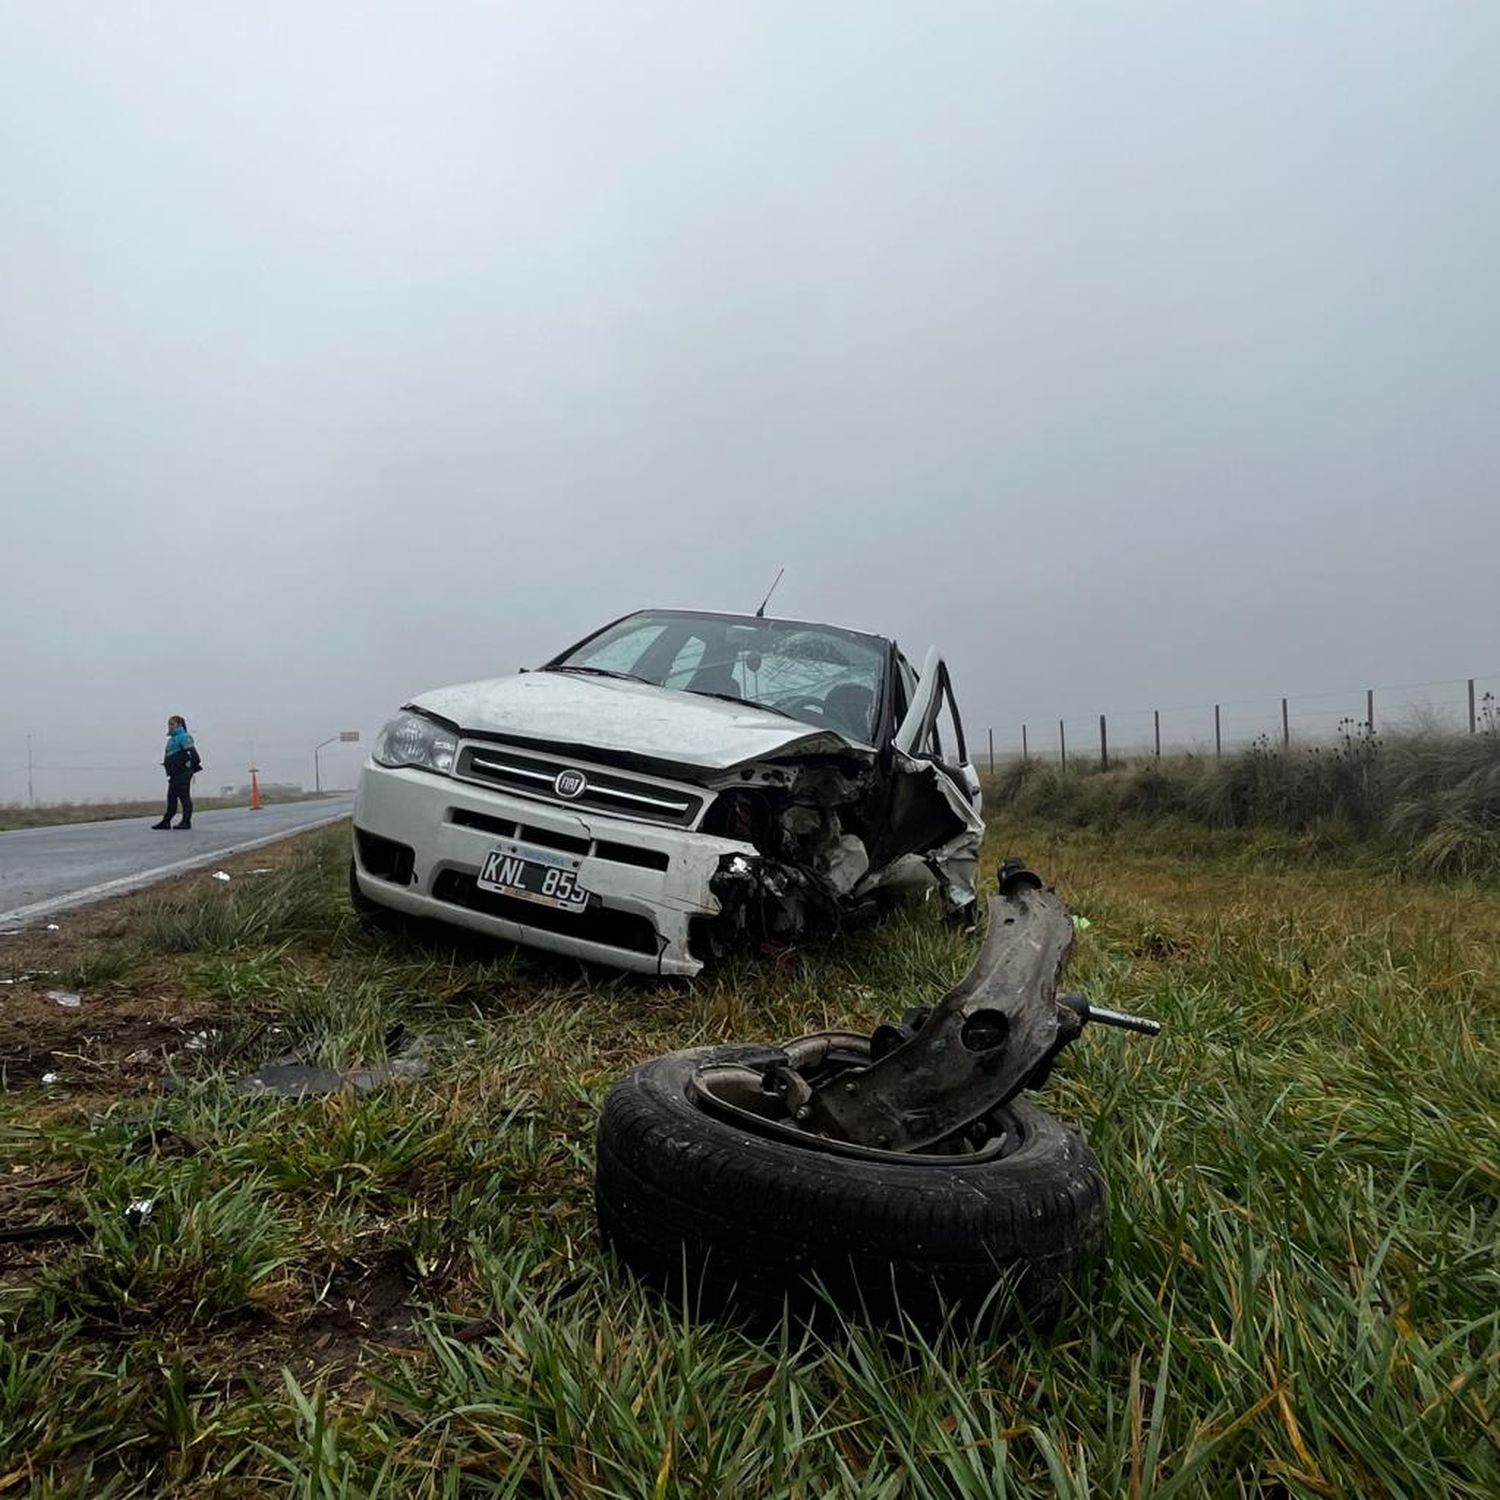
{"points": [[371, 914], [737, 1222]]}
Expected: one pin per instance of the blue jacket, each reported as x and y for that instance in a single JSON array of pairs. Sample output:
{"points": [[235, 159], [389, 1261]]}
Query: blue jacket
{"points": [[179, 758]]}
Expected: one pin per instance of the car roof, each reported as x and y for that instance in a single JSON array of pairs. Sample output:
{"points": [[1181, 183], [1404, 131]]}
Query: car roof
{"points": [[773, 620]]}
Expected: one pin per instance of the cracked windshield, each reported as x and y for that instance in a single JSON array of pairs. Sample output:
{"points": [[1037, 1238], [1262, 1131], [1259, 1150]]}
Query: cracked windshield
{"points": [[828, 678]]}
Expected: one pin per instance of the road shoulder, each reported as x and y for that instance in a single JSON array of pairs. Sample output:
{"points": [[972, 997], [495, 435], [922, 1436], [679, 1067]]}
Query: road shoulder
{"points": [[21, 918]]}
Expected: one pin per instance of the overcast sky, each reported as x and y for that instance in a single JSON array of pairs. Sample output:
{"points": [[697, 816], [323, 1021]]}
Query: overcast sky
{"points": [[1135, 354]]}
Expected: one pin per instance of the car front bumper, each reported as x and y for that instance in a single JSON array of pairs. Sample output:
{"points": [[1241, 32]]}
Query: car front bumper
{"points": [[648, 883]]}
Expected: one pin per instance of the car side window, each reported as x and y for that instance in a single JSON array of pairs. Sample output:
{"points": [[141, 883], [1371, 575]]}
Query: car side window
{"points": [[906, 685], [947, 731], [944, 740]]}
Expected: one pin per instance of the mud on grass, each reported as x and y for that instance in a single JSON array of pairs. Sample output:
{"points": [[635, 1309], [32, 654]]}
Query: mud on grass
{"points": [[400, 1292], [136, 1010]]}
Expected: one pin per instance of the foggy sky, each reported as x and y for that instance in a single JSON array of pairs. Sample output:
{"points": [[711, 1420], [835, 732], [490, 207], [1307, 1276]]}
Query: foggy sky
{"points": [[1136, 354]]}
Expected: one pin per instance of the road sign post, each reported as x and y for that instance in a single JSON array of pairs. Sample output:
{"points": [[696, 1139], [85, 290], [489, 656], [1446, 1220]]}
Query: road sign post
{"points": [[344, 736]]}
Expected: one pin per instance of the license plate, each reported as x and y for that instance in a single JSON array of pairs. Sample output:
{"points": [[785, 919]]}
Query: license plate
{"points": [[534, 875]]}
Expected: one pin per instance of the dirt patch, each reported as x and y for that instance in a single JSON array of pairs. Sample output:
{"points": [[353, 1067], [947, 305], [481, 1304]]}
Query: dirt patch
{"points": [[119, 1035], [125, 1046], [363, 1307]]}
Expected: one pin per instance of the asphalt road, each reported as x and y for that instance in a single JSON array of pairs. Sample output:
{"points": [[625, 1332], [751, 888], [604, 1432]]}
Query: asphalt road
{"points": [[46, 870]]}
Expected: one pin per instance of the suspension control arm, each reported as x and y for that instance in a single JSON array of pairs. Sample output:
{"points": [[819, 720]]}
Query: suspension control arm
{"points": [[982, 1042]]}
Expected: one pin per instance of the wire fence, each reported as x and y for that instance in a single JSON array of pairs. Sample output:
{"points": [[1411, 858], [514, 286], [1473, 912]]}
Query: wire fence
{"points": [[1458, 705]]}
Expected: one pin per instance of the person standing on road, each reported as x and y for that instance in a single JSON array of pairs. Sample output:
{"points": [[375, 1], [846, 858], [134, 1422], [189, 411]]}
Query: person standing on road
{"points": [[181, 764]]}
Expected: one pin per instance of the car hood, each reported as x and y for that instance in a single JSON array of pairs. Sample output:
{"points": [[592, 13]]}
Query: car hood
{"points": [[576, 712]]}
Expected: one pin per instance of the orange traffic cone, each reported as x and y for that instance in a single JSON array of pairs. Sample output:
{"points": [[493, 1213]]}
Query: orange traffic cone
{"points": [[254, 791]]}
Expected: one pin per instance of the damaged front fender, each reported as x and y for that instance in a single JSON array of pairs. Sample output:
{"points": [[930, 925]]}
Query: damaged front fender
{"points": [[935, 834], [830, 836]]}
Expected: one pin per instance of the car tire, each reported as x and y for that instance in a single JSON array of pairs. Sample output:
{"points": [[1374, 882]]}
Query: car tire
{"points": [[735, 1222], [372, 914]]}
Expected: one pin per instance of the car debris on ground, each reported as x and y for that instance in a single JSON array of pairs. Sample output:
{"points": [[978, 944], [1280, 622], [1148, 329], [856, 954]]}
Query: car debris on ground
{"points": [[292, 1078], [895, 1174]]}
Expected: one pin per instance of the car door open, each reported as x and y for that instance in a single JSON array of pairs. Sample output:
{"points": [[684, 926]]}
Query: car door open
{"points": [[934, 793]]}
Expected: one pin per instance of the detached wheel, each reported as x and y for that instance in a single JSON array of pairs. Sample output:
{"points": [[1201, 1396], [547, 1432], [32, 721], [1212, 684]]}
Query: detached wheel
{"points": [[732, 1221]]}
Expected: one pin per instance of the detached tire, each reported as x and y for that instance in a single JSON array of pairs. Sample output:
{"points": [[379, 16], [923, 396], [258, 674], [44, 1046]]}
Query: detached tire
{"points": [[730, 1221]]}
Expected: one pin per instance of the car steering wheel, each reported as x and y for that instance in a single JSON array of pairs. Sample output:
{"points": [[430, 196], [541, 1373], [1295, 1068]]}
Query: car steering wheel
{"points": [[801, 701]]}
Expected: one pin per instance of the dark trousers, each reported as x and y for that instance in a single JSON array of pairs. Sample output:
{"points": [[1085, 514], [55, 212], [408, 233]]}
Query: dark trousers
{"points": [[179, 789]]}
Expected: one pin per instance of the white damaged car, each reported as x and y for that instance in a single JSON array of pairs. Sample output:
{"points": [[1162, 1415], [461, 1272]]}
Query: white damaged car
{"points": [[674, 783]]}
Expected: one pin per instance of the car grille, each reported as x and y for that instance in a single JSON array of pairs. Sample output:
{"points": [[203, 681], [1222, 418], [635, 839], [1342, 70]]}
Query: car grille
{"points": [[620, 854], [536, 776]]}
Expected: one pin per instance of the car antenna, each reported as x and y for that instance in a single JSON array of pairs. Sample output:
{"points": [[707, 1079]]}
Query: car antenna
{"points": [[760, 614]]}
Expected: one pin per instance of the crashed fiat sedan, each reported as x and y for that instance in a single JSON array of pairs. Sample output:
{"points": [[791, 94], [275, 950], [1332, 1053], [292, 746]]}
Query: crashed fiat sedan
{"points": [[675, 784]]}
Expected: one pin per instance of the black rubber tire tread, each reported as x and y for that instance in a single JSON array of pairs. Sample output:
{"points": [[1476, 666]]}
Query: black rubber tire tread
{"points": [[735, 1220], [372, 914]]}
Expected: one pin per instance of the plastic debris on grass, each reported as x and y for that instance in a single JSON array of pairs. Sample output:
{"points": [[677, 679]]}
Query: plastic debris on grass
{"points": [[293, 1079], [65, 998], [222, 875]]}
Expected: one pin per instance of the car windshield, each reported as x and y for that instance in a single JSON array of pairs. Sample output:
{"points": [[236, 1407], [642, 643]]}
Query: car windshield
{"points": [[827, 677]]}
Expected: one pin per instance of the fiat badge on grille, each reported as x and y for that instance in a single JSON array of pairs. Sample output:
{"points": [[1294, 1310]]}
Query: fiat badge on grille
{"points": [[570, 784]]}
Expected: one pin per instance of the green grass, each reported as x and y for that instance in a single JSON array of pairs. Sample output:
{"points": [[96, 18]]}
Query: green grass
{"points": [[1426, 803], [1299, 1298]]}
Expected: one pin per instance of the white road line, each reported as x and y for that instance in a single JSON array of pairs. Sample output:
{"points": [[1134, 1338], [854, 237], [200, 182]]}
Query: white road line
{"points": [[20, 916]]}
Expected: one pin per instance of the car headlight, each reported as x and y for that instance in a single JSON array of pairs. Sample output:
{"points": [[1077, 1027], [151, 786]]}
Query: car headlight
{"points": [[411, 740]]}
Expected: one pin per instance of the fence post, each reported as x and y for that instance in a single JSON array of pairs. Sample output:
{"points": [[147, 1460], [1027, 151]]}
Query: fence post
{"points": [[1156, 721], [1369, 710], [1286, 728], [1025, 748], [1218, 738], [1062, 745], [1103, 745], [992, 752], [1473, 723]]}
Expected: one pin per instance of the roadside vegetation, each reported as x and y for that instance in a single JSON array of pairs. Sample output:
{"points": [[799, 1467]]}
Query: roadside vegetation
{"points": [[1421, 803], [17, 815], [400, 1292]]}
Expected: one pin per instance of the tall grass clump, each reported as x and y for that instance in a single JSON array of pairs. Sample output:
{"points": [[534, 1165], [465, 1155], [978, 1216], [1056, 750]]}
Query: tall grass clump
{"points": [[1428, 800], [306, 900]]}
